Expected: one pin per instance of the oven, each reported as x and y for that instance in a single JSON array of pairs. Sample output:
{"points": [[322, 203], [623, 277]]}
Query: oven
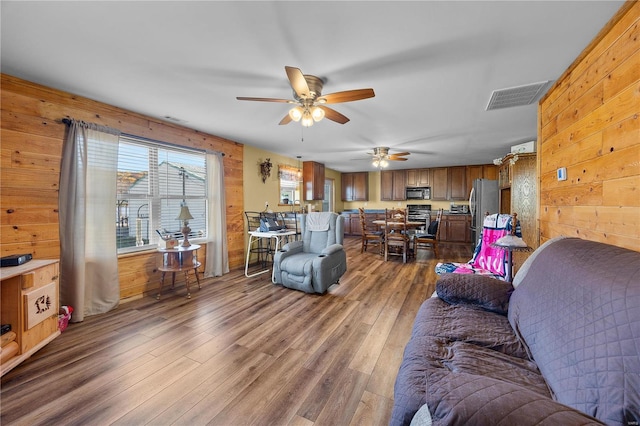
{"points": [[418, 212]]}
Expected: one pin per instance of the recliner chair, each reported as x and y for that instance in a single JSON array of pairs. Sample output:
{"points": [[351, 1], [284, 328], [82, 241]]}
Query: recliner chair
{"points": [[318, 260]]}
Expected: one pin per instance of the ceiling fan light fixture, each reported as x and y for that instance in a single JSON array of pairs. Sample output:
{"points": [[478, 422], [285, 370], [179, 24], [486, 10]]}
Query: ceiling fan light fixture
{"points": [[307, 119], [317, 113], [384, 163], [295, 113], [376, 163]]}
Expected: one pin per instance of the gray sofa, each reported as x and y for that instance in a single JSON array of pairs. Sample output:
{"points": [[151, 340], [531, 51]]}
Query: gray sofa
{"points": [[562, 348], [317, 261]]}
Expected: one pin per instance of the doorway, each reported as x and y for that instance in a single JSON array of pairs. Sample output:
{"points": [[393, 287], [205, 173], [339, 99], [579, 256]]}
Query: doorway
{"points": [[327, 202]]}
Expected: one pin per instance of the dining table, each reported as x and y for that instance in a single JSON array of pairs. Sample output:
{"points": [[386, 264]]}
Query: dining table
{"points": [[410, 224]]}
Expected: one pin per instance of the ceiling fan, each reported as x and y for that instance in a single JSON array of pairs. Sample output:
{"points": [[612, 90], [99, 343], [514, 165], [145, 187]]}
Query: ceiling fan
{"points": [[310, 103], [381, 156]]}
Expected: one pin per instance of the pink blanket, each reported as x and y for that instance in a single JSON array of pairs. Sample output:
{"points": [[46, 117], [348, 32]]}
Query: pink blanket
{"points": [[490, 258]]}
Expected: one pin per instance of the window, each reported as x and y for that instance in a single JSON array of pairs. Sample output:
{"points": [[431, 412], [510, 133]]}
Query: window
{"points": [[289, 178], [153, 181]]}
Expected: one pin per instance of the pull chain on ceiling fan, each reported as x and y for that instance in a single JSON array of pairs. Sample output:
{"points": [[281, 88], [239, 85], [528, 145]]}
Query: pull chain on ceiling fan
{"points": [[310, 103]]}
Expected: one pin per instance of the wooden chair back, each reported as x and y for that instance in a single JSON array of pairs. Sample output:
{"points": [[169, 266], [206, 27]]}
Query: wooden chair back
{"points": [[429, 240], [369, 235], [396, 238]]}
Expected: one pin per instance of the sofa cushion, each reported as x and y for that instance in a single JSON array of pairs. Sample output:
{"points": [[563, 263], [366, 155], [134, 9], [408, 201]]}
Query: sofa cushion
{"points": [[471, 399], [481, 291], [437, 327], [467, 324], [578, 310]]}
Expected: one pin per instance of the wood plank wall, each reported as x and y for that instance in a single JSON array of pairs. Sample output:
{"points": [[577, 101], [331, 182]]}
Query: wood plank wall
{"points": [[589, 122], [32, 134]]}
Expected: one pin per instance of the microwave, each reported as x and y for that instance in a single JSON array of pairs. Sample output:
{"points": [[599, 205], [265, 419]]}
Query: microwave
{"points": [[418, 193]]}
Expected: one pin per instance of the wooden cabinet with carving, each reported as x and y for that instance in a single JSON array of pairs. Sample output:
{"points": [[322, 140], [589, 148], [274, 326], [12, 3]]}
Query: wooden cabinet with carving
{"points": [[524, 191], [518, 193], [30, 305]]}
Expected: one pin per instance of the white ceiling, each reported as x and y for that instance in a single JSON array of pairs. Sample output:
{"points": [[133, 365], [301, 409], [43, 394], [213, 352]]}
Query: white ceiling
{"points": [[432, 64]]}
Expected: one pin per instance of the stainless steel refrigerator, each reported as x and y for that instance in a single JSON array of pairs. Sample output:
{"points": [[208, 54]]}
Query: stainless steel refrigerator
{"points": [[484, 198]]}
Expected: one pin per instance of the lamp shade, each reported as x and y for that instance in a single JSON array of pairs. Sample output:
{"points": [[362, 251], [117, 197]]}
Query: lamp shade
{"points": [[317, 113], [510, 241], [295, 113], [184, 213], [307, 119]]}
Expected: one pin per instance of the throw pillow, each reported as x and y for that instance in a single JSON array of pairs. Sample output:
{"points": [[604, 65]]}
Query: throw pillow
{"points": [[485, 292]]}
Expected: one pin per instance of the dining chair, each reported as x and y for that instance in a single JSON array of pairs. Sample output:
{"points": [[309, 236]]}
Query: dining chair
{"points": [[429, 239], [369, 235], [396, 239]]}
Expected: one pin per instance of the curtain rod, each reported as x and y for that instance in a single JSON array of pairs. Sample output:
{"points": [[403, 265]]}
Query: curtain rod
{"points": [[128, 135], [68, 122]]}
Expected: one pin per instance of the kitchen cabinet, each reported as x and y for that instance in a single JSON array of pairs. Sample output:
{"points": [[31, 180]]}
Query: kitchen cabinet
{"points": [[352, 223], [457, 183], [489, 171], [30, 305], [355, 186], [346, 220], [393, 184], [417, 178], [313, 180], [439, 183], [481, 171], [456, 228]]}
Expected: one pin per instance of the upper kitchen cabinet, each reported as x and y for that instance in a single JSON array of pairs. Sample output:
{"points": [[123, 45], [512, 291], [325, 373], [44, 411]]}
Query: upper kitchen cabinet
{"points": [[393, 184], [417, 178], [313, 178], [355, 186], [439, 183], [482, 171], [457, 188], [449, 183]]}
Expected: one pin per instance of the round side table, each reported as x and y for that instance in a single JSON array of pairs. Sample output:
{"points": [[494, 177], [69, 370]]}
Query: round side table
{"points": [[179, 259]]}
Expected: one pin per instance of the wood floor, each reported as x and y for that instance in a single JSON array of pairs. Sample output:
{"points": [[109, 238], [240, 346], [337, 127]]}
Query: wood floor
{"points": [[241, 351]]}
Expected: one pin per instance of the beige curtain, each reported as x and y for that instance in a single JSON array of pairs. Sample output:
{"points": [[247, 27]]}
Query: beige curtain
{"points": [[87, 203], [217, 262]]}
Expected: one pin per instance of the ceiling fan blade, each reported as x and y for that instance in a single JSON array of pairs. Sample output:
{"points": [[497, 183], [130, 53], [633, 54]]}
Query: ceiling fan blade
{"points": [[399, 154], [243, 98], [285, 120], [346, 96], [333, 115], [298, 82], [392, 158]]}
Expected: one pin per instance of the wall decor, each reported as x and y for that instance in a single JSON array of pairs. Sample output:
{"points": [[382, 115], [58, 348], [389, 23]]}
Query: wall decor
{"points": [[265, 169]]}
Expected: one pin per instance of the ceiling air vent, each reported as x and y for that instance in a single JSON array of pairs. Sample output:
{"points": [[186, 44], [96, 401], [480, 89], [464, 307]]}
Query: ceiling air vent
{"points": [[517, 96]]}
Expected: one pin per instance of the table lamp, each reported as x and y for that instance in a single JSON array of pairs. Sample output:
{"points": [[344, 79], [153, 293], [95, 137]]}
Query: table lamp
{"points": [[184, 216]]}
